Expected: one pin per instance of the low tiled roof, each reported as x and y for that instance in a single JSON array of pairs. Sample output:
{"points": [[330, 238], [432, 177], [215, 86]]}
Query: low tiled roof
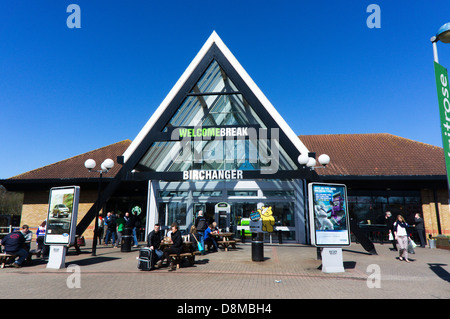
{"points": [[74, 167], [351, 155], [376, 155]]}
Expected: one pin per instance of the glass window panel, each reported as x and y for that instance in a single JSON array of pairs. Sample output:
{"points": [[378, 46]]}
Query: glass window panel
{"points": [[214, 80], [172, 212], [173, 194], [278, 193], [283, 212], [207, 193], [242, 193]]}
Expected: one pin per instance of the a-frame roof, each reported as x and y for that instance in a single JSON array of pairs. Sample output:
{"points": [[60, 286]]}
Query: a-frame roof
{"points": [[213, 48]]}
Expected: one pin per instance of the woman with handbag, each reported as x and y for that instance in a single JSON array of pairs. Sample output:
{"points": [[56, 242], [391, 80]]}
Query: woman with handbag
{"points": [[196, 244], [401, 235]]}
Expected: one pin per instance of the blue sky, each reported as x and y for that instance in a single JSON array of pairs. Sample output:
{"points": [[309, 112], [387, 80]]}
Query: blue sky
{"points": [[66, 91]]}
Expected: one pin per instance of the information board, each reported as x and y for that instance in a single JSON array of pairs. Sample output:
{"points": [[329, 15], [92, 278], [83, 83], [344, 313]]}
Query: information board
{"points": [[328, 215], [62, 215]]}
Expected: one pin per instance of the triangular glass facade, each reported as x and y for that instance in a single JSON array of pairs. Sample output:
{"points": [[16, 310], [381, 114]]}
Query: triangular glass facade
{"points": [[214, 103]]}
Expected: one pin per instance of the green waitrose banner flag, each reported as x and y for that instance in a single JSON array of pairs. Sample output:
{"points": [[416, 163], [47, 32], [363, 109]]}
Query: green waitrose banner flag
{"points": [[444, 111]]}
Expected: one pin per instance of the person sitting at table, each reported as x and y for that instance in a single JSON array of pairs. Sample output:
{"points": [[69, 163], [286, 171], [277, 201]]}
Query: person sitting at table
{"points": [[209, 238], [28, 234], [154, 242], [175, 248], [215, 228], [194, 239], [14, 243]]}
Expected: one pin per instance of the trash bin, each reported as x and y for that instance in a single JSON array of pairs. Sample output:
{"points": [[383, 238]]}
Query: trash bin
{"points": [[258, 248], [126, 240], [432, 243]]}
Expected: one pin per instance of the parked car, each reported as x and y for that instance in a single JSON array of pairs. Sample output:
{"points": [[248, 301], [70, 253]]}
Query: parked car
{"points": [[60, 210]]}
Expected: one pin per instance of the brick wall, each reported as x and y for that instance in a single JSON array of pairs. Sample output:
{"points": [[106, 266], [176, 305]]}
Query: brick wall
{"points": [[429, 211]]}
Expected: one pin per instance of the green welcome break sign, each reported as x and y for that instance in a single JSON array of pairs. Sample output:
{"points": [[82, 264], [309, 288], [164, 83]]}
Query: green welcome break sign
{"points": [[444, 111]]}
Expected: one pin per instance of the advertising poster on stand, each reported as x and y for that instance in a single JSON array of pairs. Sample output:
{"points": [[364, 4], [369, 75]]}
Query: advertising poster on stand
{"points": [[329, 218], [62, 214]]}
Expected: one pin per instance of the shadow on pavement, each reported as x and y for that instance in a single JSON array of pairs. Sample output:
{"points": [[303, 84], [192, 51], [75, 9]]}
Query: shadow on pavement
{"points": [[92, 260], [440, 272]]}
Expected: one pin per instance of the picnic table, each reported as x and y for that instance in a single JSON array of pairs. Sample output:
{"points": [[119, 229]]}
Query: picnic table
{"points": [[225, 240], [8, 258], [185, 253]]}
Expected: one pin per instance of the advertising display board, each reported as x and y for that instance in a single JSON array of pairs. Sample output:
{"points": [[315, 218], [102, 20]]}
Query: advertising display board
{"points": [[328, 212], [62, 215]]}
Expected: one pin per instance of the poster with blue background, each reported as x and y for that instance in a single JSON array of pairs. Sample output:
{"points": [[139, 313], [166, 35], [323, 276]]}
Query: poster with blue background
{"points": [[328, 215]]}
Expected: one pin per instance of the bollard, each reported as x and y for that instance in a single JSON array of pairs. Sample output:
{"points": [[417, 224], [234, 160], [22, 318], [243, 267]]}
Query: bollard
{"points": [[258, 248], [126, 240]]}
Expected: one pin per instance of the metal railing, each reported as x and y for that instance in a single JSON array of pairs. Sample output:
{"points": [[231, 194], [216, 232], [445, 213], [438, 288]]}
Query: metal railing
{"points": [[5, 230]]}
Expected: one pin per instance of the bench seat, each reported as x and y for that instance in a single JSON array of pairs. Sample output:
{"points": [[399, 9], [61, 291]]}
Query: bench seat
{"points": [[178, 258], [227, 243]]}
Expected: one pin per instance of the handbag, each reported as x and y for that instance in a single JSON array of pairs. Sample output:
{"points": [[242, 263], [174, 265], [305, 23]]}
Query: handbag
{"points": [[391, 237], [411, 247], [81, 241], [414, 245], [199, 244]]}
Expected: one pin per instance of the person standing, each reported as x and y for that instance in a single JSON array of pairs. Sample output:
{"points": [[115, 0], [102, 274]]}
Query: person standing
{"points": [[389, 222], [401, 235], [100, 230], [112, 225], [420, 228], [131, 222], [105, 226], [120, 225], [40, 236], [201, 225]]}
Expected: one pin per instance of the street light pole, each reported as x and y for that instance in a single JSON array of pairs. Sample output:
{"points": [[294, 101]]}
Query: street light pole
{"points": [[105, 167], [435, 52]]}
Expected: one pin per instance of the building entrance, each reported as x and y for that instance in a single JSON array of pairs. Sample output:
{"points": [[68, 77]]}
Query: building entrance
{"points": [[229, 204]]}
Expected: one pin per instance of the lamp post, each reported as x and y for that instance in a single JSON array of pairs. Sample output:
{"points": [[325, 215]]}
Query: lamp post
{"points": [[442, 35], [309, 160], [104, 168]]}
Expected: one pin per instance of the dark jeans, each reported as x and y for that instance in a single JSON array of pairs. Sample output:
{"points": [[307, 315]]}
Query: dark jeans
{"points": [[41, 246], [22, 253], [112, 232], [213, 241], [421, 233]]}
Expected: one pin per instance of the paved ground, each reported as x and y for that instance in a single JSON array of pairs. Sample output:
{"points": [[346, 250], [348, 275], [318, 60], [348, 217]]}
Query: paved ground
{"points": [[288, 272]]}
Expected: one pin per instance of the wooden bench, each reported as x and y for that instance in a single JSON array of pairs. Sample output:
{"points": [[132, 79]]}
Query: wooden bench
{"points": [[178, 258], [227, 243], [6, 258]]}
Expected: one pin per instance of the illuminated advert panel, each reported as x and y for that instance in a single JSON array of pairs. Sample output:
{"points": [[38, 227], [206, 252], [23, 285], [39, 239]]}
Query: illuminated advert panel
{"points": [[62, 215], [328, 215]]}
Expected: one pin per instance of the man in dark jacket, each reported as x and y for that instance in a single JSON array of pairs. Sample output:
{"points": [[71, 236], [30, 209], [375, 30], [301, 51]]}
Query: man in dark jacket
{"points": [[389, 222], [420, 228], [154, 241], [14, 245], [176, 247]]}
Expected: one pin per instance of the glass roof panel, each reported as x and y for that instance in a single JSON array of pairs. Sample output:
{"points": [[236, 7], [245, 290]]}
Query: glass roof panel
{"points": [[214, 80]]}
